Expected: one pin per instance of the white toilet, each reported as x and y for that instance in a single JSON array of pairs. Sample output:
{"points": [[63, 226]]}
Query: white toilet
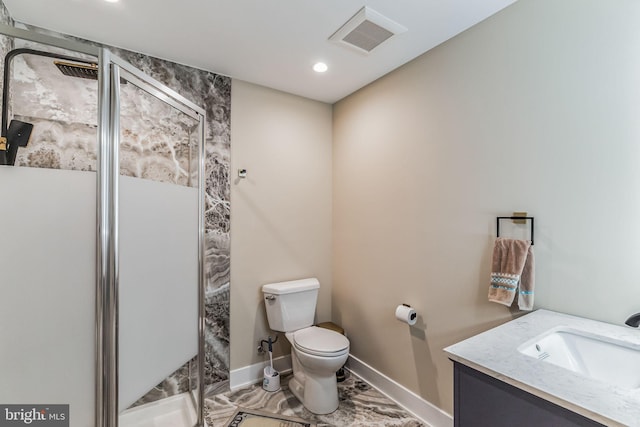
{"points": [[316, 353]]}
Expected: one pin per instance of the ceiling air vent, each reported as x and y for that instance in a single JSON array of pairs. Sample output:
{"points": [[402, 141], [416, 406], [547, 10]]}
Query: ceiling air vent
{"points": [[366, 30]]}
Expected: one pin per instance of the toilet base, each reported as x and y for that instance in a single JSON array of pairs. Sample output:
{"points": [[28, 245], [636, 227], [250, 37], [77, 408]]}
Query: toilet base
{"points": [[296, 389], [318, 394]]}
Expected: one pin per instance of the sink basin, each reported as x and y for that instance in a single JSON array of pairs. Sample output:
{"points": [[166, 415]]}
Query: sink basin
{"points": [[594, 356]]}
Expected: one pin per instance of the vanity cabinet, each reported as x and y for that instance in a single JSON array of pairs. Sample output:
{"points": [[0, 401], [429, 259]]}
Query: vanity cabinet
{"points": [[483, 401]]}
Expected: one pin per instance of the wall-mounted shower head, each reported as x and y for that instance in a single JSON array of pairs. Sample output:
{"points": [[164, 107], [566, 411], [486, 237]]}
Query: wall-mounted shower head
{"points": [[84, 71], [87, 70]]}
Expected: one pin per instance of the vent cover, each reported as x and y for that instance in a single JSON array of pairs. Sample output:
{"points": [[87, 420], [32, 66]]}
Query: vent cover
{"points": [[366, 30]]}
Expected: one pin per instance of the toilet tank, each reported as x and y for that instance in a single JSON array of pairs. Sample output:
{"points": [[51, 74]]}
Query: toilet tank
{"points": [[291, 305]]}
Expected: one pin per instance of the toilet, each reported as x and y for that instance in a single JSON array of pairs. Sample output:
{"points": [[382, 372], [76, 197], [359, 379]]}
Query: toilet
{"points": [[316, 353]]}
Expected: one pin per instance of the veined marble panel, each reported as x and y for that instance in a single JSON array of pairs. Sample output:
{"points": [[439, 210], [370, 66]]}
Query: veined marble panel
{"points": [[157, 141], [5, 18], [6, 43], [59, 145], [217, 339]]}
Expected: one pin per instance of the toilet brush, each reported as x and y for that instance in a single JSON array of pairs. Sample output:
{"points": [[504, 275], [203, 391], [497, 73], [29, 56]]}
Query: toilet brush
{"points": [[271, 370], [271, 380]]}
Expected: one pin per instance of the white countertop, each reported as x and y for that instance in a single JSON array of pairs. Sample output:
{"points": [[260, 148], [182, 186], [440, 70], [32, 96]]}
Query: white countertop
{"points": [[495, 353]]}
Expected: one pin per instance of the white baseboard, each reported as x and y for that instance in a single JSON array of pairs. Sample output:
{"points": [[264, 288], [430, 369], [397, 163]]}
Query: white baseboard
{"points": [[422, 409], [252, 374]]}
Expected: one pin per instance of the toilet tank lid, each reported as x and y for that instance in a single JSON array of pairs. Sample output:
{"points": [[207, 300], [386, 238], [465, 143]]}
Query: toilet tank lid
{"points": [[291, 286]]}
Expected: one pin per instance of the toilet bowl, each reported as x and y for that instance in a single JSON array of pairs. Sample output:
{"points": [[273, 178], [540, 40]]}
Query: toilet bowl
{"points": [[316, 353]]}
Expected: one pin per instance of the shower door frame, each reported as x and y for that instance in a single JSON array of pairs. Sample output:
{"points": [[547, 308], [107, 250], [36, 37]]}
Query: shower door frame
{"points": [[107, 173], [109, 135]]}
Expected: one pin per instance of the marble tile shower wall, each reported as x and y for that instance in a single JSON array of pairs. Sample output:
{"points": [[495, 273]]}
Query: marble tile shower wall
{"points": [[6, 43], [157, 143]]}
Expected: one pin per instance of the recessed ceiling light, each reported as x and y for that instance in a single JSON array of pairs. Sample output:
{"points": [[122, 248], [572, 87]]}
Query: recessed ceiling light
{"points": [[112, 1], [320, 67]]}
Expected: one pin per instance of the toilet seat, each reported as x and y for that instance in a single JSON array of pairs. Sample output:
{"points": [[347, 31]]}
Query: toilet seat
{"points": [[320, 342]]}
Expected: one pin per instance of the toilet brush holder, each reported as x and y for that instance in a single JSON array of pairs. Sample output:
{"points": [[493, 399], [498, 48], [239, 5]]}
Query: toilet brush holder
{"points": [[271, 381]]}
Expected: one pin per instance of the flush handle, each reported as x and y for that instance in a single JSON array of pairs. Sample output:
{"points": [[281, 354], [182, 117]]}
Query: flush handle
{"points": [[270, 297]]}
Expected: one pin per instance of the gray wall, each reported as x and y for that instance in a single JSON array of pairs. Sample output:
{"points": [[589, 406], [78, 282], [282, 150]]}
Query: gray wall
{"points": [[535, 109], [281, 213]]}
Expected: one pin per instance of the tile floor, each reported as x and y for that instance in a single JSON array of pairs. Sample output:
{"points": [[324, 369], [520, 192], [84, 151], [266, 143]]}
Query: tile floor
{"points": [[360, 405]]}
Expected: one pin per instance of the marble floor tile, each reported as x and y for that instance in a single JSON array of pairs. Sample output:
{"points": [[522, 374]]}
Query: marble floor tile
{"points": [[360, 405]]}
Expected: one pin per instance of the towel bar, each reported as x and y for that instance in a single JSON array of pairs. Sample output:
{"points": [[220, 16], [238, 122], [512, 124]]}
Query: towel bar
{"points": [[513, 217]]}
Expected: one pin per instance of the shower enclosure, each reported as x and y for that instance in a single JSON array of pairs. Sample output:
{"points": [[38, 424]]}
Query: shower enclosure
{"points": [[102, 244]]}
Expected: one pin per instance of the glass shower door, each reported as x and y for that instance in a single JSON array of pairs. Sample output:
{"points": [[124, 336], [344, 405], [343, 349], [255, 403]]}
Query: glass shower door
{"points": [[159, 244]]}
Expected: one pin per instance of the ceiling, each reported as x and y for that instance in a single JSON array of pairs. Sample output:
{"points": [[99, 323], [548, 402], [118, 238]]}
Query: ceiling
{"points": [[273, 43]]}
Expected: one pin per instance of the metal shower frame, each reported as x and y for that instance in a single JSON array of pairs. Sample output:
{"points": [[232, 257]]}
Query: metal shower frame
{"points": [[111, 69]]}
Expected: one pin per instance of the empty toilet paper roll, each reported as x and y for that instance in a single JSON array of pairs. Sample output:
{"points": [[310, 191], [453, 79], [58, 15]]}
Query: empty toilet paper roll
{"points": [[406, 314]]}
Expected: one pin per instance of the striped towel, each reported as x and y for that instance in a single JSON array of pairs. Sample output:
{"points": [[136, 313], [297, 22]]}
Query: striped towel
{"points": [[512, 272]]}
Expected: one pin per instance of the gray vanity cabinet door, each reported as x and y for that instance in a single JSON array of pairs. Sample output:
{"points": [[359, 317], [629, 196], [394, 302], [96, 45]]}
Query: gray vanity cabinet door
{"points": [[483, 401]]}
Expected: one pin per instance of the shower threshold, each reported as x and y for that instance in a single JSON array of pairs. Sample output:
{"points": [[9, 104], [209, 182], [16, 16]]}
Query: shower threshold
{"points": [[174, 411]]}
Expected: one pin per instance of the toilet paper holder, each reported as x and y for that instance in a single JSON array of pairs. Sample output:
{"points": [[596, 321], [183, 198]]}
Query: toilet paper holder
{"points": [[406, 314], [413, 314]]}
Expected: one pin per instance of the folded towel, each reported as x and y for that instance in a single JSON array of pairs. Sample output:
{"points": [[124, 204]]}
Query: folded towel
{"points": [[512, 268]]}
